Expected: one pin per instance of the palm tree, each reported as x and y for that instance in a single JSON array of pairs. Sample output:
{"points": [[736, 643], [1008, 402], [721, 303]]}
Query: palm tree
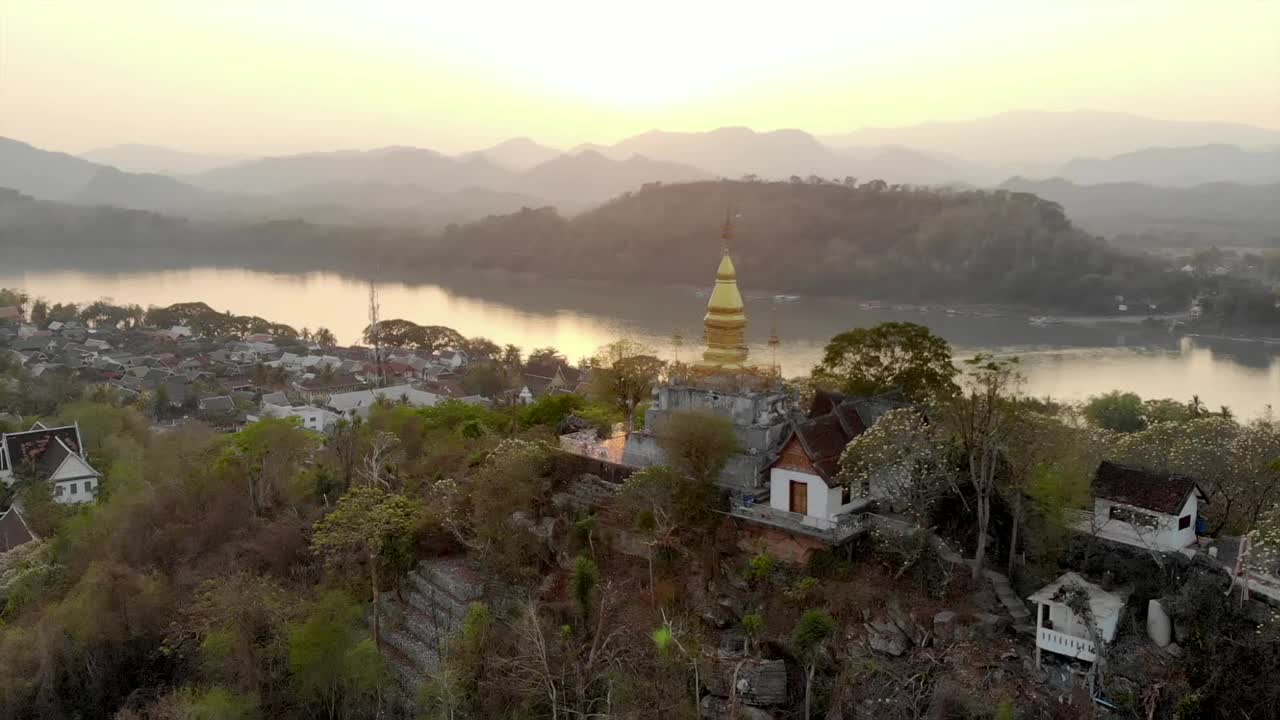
{"points": [[324, 337]]}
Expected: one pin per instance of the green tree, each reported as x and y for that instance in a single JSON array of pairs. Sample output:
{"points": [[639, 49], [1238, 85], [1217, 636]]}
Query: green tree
{"points": [[622, 374], [481, 349], [334, 666], [485, 379], [1164, 410], [890, 356], [811, 633], [268, 456], [698, 444], [1116, 411], [12, 297], [585, 577], [219, 703], [160, 403], [367, 523], [324, 337]]}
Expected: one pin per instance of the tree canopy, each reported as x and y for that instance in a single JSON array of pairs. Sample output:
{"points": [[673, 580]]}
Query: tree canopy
{"points": [[890, 356]]}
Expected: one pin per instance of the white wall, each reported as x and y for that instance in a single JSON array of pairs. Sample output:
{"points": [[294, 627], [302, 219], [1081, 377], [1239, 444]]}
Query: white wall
{"points": [[313, 418], [1066, 621], [84, 491], [819, 495], [1166, 535]]}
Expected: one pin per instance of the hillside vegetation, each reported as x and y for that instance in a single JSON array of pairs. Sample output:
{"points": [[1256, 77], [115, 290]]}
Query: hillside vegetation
{"points": [[869, 241], [872, 241], [1225, 214]]}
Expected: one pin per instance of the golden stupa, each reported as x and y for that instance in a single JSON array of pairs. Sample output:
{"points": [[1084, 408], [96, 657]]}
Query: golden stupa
{"points": [[725, 324]]}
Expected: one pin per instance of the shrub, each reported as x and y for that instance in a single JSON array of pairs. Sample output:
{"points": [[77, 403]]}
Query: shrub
{"points": [[759, 568]]}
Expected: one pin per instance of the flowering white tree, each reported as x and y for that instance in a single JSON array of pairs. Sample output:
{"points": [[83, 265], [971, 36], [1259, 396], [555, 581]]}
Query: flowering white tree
{"points": [[1235, 462], [905, 457]]}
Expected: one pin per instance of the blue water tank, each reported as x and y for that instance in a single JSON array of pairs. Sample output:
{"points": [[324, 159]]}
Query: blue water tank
{"points": [[1202, 526]]}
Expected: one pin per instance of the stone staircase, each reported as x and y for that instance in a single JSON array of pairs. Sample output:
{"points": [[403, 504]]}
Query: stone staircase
{"points": [[414, 633], [1022, 620]]}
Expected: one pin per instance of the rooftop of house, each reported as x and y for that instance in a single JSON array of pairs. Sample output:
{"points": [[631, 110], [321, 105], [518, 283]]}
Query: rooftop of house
{"points": [[1162, 492], [823, 439], [31, 445], [1102, 603], [14, 530], [838, 420], [218, 404], [275, 398], [361, 400]]}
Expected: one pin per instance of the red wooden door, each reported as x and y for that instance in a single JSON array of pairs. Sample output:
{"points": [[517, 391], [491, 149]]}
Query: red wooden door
{"points": [[799, 497]]}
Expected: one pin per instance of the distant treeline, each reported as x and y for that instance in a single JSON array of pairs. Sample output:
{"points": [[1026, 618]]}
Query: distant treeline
{"points": [[872, 240]]}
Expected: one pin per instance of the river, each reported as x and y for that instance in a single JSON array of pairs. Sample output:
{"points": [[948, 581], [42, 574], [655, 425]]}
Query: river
{"points": [[1064, 361]]}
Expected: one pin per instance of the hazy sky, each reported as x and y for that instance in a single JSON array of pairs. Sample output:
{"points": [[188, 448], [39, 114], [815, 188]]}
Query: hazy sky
{"points": [[275, 76]]}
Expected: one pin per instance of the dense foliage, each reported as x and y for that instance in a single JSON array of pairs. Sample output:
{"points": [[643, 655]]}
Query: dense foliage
{"points": [[868, 241]]}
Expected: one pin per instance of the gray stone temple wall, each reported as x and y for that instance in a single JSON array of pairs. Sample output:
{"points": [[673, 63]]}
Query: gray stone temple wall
{"points": [[760, 421]]}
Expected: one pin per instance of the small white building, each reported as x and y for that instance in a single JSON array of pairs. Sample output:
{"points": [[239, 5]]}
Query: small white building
{"points": [[1060, 630], [358, 403], [313, 418], [1140, 507], [802, 480], [452, 358]]}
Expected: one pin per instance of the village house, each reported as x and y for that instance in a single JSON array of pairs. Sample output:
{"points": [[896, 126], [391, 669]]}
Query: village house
{"points": [[53, 455], [803, 479], [541, 381], [312, 418], [358, 403], [320, 389], [1135, 506], [454, 359], [1060, 629]]}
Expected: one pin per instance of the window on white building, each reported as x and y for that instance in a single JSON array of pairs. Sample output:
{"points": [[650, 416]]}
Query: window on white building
{"points": [[57, 490], [1184, 522], [1135, 518]]}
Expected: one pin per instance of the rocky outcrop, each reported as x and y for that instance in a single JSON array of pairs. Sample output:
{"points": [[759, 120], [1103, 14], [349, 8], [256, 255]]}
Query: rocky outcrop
{"points": [[897, 631], [885, 637]]}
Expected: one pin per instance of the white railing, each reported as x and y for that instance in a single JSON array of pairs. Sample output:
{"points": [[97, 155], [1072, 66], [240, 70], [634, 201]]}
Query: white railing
{"points": [[1064, 644], [837, 530]]}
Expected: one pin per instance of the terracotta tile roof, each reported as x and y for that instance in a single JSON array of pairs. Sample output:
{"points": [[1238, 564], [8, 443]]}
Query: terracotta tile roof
{"points": [[839, 419], [1163, 492]]}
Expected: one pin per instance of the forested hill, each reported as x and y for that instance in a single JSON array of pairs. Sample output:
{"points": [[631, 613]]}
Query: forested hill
{"points": [[873, 241], [870, 241]]}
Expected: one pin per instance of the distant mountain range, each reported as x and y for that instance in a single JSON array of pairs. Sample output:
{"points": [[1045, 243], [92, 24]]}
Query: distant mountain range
{"points": [[1036, 143], [426, 189], [1179, 166], [1224, 214], [159, 160], [518, 154]]}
